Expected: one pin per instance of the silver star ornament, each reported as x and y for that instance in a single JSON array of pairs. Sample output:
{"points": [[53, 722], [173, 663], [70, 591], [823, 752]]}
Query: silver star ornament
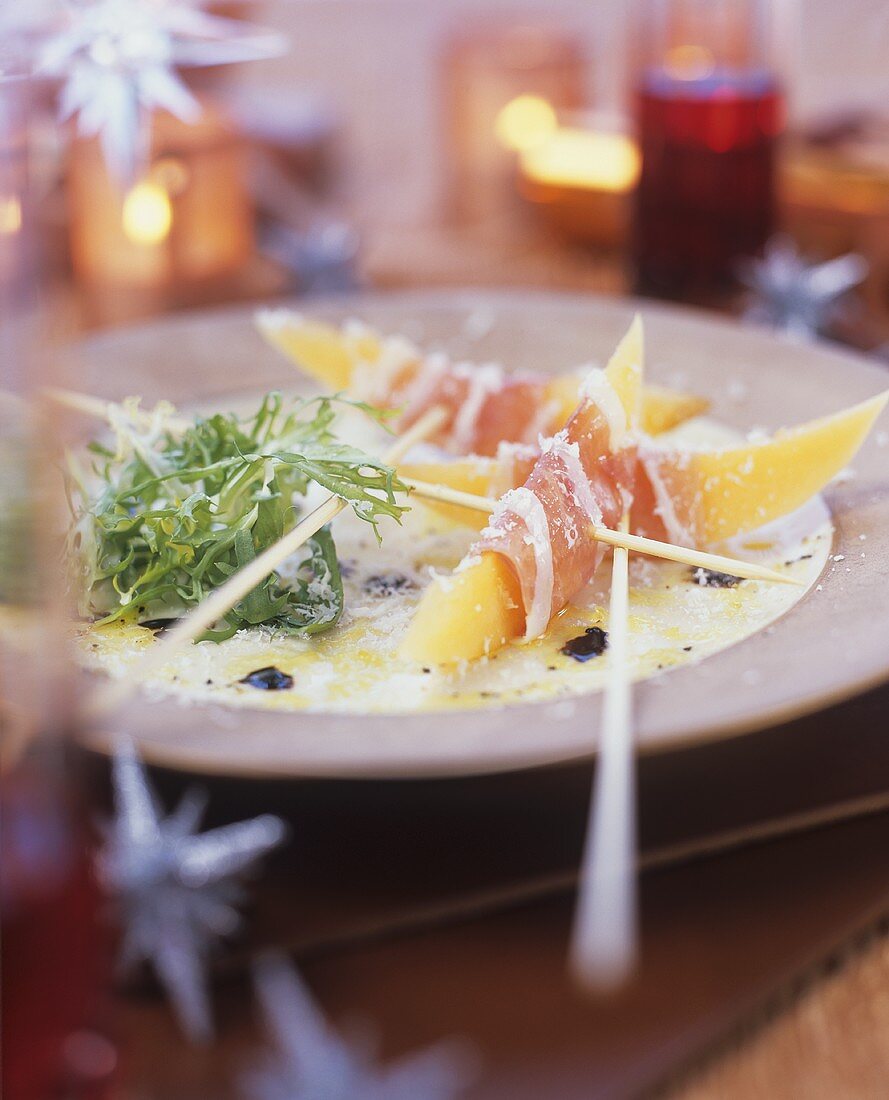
{"points": [[118, 62], [177, 889], [312, 1062], [796, 297]]}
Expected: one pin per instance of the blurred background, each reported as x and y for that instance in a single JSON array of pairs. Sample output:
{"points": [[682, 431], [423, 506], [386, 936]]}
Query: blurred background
{"points": [[397, 143]]}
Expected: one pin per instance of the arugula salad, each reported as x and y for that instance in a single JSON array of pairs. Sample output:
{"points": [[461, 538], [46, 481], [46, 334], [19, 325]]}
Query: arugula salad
{"points": [[167, 510]]}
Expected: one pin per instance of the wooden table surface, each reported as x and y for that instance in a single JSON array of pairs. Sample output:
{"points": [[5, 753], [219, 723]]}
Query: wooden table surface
{"points": [[754, 982], [433, 921], [830, 1041]]}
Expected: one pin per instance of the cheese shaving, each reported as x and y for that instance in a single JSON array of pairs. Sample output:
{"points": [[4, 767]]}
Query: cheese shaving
{"points": [[483, 381], [597, 388], [526, 506], [569, 455], [676, 531]]}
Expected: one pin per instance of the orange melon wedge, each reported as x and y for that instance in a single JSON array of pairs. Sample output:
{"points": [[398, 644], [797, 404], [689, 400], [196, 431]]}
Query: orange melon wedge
{"points": [[326, 353], [329, 355], [470, 614], [715, 495], [479, 608]]}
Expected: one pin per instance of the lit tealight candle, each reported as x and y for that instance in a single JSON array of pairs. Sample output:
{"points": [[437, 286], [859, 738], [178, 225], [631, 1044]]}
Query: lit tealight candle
{"points": [[581, 181], [505, 83], [180, 233], [525, 122]]}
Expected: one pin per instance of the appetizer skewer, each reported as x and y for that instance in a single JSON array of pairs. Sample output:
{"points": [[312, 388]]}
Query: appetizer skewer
{"points": [[522, 571], [486, 405], [694, 497], [536, 553], [441, 495]]}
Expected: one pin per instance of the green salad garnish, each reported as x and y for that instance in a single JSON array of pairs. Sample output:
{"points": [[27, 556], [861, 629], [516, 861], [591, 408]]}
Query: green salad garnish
{"points": [[168, 512]]}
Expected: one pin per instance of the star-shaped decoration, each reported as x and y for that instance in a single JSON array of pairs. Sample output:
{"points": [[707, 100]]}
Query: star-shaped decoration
{"points": [[312, 1062], [796, 297], [118, 61], [177, 888]]}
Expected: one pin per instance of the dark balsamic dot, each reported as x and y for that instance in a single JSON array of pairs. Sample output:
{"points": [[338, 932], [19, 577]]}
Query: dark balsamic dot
{"points": [[802, 557], [686, 649], [427, 670], [592, 643], [268, 679], [711, 578], [158, 625], [347, 567], [387, 584], [551, 668]]}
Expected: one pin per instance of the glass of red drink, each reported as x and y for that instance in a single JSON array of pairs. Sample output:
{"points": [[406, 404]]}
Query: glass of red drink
{"points": [[51, 955], [708, 112]]}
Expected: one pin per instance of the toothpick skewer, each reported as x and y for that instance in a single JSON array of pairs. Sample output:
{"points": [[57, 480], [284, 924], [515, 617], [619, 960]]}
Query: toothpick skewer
{"points": [[224, 598], [604, 937], [637, 543], [100, 408]]}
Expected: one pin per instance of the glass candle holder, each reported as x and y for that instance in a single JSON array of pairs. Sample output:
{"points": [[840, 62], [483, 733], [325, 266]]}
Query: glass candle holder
{"points": [[504, 87], [580, 182], [708, 111], [176, 235]]}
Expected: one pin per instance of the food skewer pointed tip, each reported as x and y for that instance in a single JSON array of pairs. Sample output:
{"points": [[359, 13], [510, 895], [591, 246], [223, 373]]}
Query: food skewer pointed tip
{"points": [[604, 938]]}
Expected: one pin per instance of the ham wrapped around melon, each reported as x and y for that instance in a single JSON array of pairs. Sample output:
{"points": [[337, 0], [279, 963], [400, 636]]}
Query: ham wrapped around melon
{"points": [[487, 405], [537, 552], [691, 497]]}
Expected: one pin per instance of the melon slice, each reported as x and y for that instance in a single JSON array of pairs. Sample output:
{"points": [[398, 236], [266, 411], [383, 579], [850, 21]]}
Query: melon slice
{"points": [[479, 608], [329, 355], [470, 614], [713, 495], [326, 353], [475, 474], [663, 409]]}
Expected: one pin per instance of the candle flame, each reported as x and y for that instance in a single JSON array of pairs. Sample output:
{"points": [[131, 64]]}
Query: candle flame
{"points": [[582, 158], [524, 122], [147, 213], [10, 216]]}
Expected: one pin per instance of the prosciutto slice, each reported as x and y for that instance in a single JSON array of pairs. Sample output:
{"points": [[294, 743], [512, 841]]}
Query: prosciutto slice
{"points": [[485, 404], [657, 512], [583, 477]]}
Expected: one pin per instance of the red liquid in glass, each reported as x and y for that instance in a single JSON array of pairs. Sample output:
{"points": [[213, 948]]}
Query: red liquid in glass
{"points": [[52, 959], [706, 191]]}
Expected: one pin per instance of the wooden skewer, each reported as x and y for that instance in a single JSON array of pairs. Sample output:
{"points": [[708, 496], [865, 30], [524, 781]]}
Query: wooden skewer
{"points": [[100, 408], [604, 940], [638, 543], [224, 598]]}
